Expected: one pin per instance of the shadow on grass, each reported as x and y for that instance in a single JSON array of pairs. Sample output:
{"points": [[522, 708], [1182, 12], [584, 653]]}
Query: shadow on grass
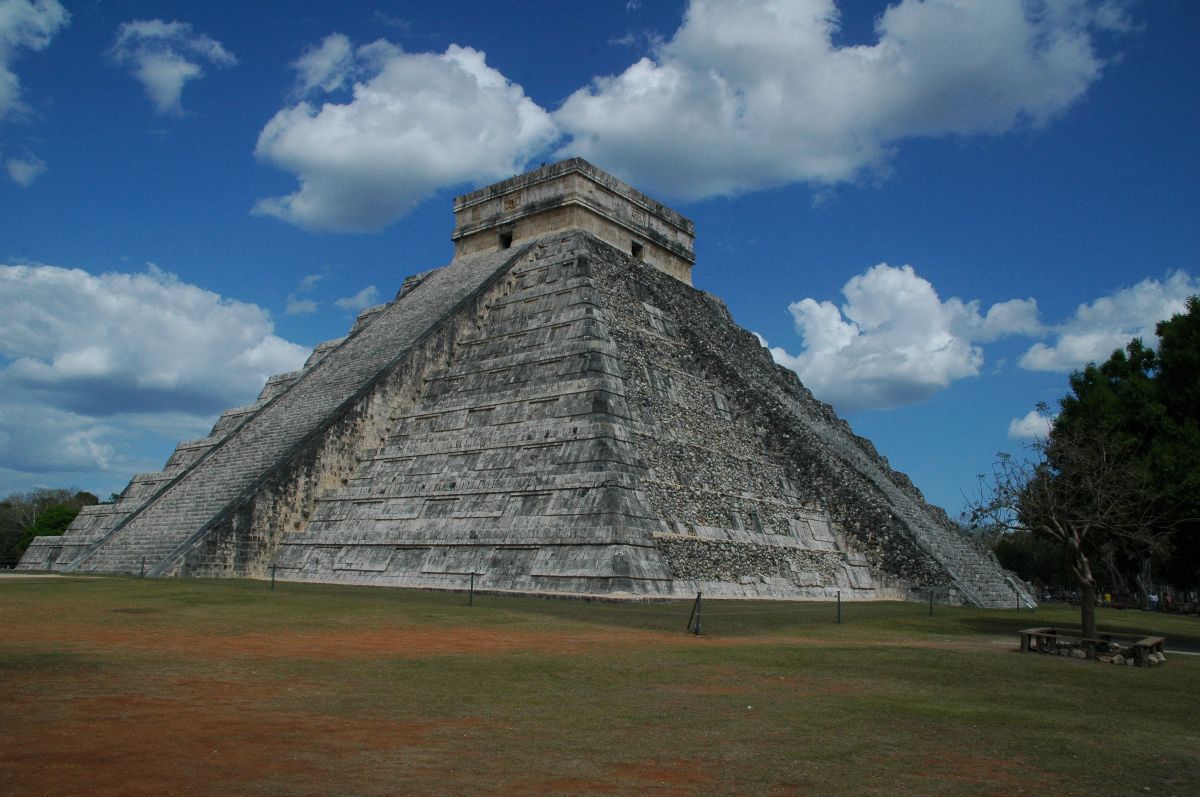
{"points": [[1182, 632], [165, 602], [734, 618], [885, 619]]}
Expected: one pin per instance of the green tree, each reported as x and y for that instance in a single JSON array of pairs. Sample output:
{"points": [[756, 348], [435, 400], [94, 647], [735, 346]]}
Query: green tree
{"points": [[1081, 493], [1147, 405], [1174, 459], [51, 521], [1116, 483], [1035, 558], [1179, 362], [24, 516]]}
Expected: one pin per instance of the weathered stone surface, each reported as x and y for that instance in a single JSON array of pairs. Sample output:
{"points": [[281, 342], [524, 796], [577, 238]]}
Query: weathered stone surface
{"points": [[556, 417], [574, 195]]}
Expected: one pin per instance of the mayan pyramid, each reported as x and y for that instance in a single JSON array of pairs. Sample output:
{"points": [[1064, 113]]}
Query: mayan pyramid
{"points": [[556, 411]]}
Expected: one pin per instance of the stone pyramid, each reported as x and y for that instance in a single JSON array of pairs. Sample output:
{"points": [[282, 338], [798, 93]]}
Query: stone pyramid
{"points": [[555, 411]]}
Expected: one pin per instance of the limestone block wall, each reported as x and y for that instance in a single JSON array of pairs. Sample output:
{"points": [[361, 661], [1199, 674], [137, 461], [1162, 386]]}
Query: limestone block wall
{"points": [[321, 350], [95, 523], [737, 525], [283, 502], [243, 540], [557, 418], [44, 553], [278, 384], [189, 451], [574, 195], [525, 455], [579, 217], [709, 560], [519, 462], [511, 460], [791, 447], [192, 502]]}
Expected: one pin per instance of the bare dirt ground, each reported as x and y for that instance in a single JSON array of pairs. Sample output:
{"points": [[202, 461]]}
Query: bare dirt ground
{"points": [[335, 645], [182, 733], [176, 732], [176, 689]]}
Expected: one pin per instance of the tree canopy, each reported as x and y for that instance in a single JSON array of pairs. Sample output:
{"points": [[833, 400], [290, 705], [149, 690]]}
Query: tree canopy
{"points": [[1147, 405], [1115, 486], [43, 511]]}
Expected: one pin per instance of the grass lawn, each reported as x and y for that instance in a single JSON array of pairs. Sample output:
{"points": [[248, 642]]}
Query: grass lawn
{"points": [[125, 687]]}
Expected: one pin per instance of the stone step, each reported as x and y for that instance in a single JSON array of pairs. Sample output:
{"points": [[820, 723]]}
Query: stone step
{"points": [[202, 492]]}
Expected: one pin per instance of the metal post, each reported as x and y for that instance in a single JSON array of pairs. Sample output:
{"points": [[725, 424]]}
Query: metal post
{"points": [[839, 607], [471, 594], [143, 567], [931, 601], [697, 614], [272, 578]]}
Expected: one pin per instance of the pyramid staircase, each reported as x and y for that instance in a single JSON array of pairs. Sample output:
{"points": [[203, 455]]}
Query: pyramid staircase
{"points": [[554, 418], [161, 515]]}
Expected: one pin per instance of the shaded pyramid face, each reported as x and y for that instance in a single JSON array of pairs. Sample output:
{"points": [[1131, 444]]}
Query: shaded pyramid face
{"points": [[556, 418]]}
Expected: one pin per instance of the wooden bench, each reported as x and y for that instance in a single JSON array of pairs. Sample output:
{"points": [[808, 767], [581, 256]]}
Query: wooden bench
{"points": [[1034, 639], [1045, 640]]}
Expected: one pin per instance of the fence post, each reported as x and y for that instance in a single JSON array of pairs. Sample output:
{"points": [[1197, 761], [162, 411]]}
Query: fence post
{"points": [[839, 607], [695, 615], [143, 567], [272, 578], [931, 601], [471, 592]]}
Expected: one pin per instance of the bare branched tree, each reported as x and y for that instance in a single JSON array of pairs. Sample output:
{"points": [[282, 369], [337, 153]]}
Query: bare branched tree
{"points": [[1080, 492]]}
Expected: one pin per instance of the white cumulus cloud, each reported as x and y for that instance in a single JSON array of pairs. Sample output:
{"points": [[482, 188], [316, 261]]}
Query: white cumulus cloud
{"points": [[300, 306], [367, 297], [96, 344], [93, 365], [24, 169], [416, 122], [36, 438], [24, 25], [164, 56], [327, 66], [296, 304], [746, 95], [1108, 323], [895, 341], [1033, 425], [750, 94]]}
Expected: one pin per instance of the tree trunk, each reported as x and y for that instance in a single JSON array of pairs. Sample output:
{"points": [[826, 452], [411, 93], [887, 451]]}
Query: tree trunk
{"points": [[1087, 610], [1143, 579], [1087, 586]]}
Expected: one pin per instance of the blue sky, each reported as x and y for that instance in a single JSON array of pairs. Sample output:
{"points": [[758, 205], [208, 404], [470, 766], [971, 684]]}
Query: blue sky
{"points": [[933, 211]]}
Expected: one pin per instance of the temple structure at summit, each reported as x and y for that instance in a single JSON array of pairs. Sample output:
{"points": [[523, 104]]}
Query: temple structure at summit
{"points": [[556, 411], [575, 195]]}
